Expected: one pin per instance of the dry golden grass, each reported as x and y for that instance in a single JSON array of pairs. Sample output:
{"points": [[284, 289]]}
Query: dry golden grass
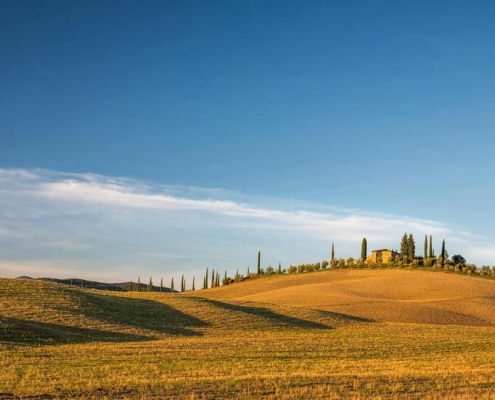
{"points": [[278, 337], [379, 295]]}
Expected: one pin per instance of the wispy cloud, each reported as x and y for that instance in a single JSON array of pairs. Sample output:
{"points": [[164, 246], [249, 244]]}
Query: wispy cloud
{"points": [[68, 245], [130, 224]]}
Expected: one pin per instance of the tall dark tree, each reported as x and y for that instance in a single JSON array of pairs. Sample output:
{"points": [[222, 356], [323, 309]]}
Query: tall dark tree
{"points": [[139, 284], [425, 247], [172, 285], [161, 284], [212, 278], [217, 281], [403, 247], [193, 285], [130, 286], [150, 286], [279, 268], [431, 251], [364, 249], [183, 284], [333, 253], [259, 262], [443, 252], [411, 248], [205, 285]]}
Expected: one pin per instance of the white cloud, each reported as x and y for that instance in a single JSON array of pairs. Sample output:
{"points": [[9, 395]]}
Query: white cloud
{"points": [[114, 222], [98, 190], [13, 175]]}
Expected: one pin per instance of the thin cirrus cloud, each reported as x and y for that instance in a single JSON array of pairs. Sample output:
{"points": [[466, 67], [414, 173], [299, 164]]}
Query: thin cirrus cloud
{"points": [[125, 225], [130, 194], [68, 245]]}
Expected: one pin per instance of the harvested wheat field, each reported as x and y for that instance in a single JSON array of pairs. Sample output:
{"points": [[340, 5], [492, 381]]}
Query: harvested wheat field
{"points": [[336, 334], [408, 296]]}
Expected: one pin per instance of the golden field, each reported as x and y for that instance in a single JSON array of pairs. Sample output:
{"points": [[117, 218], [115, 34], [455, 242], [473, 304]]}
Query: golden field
{"points": [[333, 334]]}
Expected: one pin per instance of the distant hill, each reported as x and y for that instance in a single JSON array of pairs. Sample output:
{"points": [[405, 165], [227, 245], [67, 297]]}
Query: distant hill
{"points": [[115, 287]]}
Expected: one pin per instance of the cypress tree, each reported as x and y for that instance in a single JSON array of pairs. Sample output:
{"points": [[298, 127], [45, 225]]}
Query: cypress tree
{"points": [[259, 262], [333, 253], [432, 253], [150, 286], [248, 272], [364, 249], [172, 285], [411, 248], [279, 268], [161, 284], [217, 283], [182, 284], [212, 278], [205, 286], [130, 286], [139, 284], [426, 247], [403, 247], [193, 285], [443, 252]]}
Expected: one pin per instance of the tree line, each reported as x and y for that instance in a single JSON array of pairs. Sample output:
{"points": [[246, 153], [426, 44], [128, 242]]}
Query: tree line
{"points": [[406, 257]]}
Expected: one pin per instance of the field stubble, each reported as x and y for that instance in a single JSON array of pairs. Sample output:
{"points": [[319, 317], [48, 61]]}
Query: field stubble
{"points": [[144, 345]]}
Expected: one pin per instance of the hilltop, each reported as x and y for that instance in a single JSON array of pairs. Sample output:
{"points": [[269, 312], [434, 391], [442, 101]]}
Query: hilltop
{"points": [[382, 295]]}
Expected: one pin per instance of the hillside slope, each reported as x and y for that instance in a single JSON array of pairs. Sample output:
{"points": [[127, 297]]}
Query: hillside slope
{"points": [[378, 295], [41, 312]]}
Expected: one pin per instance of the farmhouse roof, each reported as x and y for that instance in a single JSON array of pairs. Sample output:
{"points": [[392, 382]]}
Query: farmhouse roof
{"points": [[385, 250]]}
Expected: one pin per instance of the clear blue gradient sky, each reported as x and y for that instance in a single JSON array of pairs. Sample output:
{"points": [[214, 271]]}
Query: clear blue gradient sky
{"points": [[382, 107]]}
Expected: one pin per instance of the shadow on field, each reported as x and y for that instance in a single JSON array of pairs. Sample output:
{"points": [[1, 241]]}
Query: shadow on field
{"points": [[343, 317], [140, 313], [18, 331], [268, 314], [125, 319]]}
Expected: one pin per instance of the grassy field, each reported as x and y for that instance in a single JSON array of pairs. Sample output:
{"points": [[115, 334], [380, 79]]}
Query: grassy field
{"points": [[333, 334]]}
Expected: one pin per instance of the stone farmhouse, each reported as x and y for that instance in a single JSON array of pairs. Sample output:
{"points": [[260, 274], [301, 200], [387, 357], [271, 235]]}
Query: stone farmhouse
{"points": [[385, 255]]}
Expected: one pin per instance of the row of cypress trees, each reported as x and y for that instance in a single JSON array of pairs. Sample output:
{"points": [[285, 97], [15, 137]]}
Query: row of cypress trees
{"points": [[407, 252]]}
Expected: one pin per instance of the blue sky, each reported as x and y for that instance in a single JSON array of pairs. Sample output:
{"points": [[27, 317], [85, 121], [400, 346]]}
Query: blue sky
{"points": [[310, 123]]}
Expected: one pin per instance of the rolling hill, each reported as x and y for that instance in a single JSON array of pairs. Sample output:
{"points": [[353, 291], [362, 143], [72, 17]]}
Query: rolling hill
{"points": [[405, 296], [43, 311], [332, 334]]}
